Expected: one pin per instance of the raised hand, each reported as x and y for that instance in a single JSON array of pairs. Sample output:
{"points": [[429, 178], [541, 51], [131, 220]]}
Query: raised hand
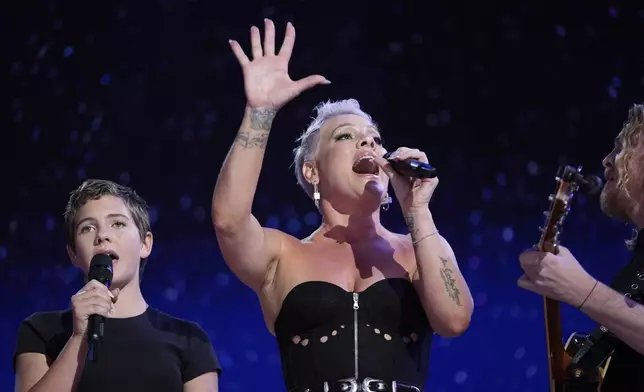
{"points": [[266, 80]]}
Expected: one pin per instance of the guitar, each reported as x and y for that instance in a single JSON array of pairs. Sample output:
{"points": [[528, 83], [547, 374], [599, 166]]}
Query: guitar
{"points": [[565, 374]]}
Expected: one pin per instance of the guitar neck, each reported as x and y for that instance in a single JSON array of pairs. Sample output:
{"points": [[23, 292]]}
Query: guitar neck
{"points": [[569, 180], [554, 340]]}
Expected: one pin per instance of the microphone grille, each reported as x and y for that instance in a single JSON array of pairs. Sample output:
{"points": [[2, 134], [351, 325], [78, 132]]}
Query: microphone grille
{"points": [[100, 268], [101, 260], [593, 184]]}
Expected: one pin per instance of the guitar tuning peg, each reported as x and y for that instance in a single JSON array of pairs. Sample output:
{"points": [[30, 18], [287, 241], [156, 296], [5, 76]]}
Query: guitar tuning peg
{"points": [[546, 214], [551, 197], [557, 178], [541, 229]]}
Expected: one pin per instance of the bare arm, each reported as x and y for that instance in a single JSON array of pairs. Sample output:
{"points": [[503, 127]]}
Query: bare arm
{"points": [[208, 382], [443, 290], [622, 316], [33, 373], [246, 246]]}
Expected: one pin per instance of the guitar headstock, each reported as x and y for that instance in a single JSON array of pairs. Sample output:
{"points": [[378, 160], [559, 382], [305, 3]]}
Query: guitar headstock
{"points": [[569, 181]]}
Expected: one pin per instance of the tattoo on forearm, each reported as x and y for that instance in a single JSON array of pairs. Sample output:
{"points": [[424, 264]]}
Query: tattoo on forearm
{"points": [[450, 283], [411, 225], [250, 140], [261, 121]]}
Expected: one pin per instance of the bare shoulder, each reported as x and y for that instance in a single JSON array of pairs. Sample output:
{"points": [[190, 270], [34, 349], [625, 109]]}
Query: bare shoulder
{"points": [[285, 240]]}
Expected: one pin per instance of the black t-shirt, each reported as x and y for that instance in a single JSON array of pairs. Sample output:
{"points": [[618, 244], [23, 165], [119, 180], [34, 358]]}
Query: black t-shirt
{"points": [[626, 368], [150, 352]]}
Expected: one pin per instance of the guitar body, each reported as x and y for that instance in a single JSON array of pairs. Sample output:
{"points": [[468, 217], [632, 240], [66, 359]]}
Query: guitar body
{"points": [[572, 379], [579, 380], [576, 342]]}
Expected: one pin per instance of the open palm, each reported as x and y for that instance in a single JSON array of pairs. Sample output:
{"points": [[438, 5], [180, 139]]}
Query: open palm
{"points": [[266, 78]]}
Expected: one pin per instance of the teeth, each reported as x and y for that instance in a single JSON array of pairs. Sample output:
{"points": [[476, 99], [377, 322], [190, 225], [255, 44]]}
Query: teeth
{"points": [[112, 255]]}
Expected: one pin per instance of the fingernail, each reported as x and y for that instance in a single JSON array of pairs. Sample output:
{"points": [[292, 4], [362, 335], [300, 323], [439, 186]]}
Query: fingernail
{"points": [[326, 81], [111, 295]]}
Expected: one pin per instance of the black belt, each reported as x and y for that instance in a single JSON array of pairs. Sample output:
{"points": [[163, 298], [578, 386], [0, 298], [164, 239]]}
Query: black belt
{"points": [[368, 384]]}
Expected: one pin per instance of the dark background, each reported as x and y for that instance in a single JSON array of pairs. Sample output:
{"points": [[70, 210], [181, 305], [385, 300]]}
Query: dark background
{"points": [[148, 94]]}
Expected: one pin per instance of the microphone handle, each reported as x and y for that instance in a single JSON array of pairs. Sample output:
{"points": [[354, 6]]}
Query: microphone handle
{"points": [[95, 333], [414, 169]]}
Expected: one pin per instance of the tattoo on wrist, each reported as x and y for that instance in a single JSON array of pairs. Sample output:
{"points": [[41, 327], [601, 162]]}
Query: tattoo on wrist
{"points": [[450, 283], [261, 120], [411, 225]]}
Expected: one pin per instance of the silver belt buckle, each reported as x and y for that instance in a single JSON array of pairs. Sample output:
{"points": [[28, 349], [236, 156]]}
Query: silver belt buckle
{"points": [[348, 385], [368, 381], [395, 385]]}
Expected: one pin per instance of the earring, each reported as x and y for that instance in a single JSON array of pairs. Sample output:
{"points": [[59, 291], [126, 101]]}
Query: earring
{"points": [[386, 202], [316, 196]]}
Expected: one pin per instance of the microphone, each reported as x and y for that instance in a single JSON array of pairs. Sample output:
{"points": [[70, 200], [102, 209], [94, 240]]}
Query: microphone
{"points": [[100, 269], [412, 168], [591, 185]]}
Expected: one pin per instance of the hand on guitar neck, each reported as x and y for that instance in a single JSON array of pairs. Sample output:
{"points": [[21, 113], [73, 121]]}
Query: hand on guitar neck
{"points": [[553, 272], [559, 277]]}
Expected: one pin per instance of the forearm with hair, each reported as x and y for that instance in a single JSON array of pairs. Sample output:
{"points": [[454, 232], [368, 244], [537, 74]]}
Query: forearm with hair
{"points": [[64, 373], [442, 288], [622, 316], [237, 181]]}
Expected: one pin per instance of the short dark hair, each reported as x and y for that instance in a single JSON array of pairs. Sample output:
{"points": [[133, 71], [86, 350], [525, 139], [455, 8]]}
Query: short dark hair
{"points": [[94, 189]]}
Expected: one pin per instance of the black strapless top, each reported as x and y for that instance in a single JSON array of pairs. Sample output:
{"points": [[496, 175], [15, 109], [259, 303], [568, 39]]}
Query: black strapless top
{"points": [[325, 333]]}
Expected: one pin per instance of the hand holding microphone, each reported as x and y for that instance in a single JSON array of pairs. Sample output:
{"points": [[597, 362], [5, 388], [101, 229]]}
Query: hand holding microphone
{"points": [[93, 298], [94, 302], [410, 168], [411, 176]]}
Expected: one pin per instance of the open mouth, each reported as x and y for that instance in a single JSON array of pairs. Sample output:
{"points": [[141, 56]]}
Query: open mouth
{"points": [[366, 165], [113, 255]]}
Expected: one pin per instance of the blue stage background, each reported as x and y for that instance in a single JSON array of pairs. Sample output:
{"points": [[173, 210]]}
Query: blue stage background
{"points": [[148, 94]]}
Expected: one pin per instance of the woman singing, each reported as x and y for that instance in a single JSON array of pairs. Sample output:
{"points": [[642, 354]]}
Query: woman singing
{"points": [[353, 306], [143, 348]]}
